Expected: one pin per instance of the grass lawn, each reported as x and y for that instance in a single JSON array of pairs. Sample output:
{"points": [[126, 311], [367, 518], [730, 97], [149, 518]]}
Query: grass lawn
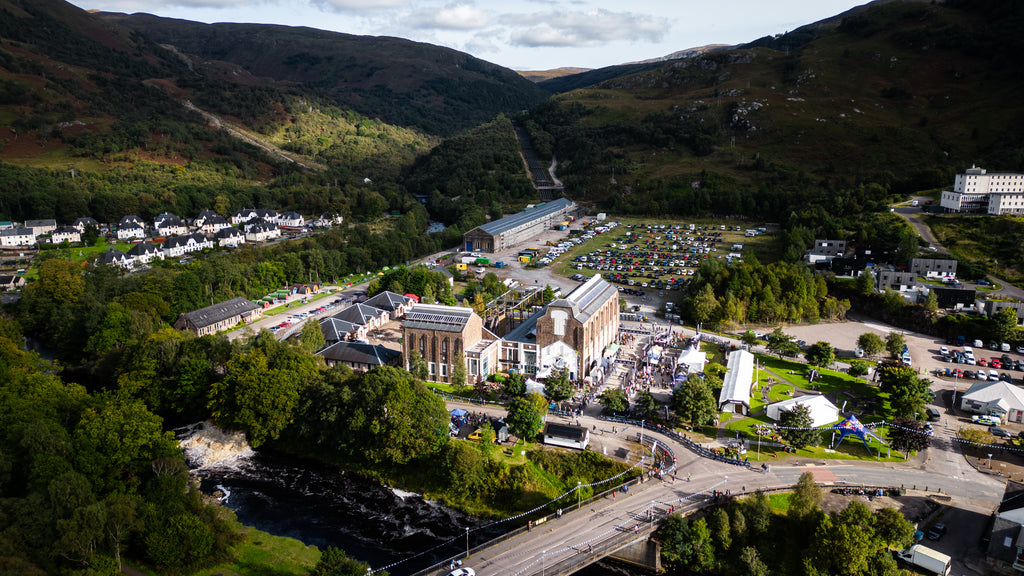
{"points": [[262, 553], [795, 373], [779, 502]]}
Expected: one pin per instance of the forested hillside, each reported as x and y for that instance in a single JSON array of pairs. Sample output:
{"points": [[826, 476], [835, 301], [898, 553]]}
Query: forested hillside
{"points": [[894, 98], [433, 89], [97, 119]]}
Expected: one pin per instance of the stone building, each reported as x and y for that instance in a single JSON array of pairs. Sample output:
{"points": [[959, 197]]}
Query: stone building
{"points": [[574, 331], [444, 335]]}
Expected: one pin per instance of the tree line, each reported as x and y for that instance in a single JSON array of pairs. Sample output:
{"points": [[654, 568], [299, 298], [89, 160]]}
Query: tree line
{"points": [[747, 537]]}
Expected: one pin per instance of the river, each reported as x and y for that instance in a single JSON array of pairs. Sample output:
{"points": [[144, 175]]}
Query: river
{"points": [[323, 506]]}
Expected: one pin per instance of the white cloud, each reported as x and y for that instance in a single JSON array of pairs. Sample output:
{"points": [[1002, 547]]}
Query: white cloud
{"points": [[483, 43], [359, 5], [457, 16], [590, 28]]}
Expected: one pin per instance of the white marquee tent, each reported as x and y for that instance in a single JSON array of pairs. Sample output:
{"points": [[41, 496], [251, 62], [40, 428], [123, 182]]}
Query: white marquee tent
{"points": [[822, 410]]}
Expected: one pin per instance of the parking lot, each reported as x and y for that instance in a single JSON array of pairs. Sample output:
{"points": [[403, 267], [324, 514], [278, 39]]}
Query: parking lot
{"points": [[658, 256]]}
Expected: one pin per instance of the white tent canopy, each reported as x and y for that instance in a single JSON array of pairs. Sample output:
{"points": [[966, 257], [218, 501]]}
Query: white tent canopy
{"points": [[822, 410], [693, 359], [739, 378]]}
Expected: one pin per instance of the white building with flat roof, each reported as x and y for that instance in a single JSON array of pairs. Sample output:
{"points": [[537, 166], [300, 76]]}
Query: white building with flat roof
{"points": [[976, 190]]}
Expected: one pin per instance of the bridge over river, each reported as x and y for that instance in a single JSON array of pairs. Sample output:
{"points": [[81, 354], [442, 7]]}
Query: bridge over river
{"points": [[617, 523]]}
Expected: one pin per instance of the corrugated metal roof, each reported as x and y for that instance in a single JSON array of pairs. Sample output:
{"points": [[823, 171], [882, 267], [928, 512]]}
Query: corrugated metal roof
{"points": [[509, 222], [222, 311]]}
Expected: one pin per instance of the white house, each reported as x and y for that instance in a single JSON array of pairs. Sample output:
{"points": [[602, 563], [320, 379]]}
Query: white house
{"points": [[229, 237], [261, 232], [739, 378], [82, 223], [822, 410], [566, 436], [144, 253], [41, 227], [246, 214], [181, 245], [291, 220], [115, 257], [130, 231], [1000, 398], [17, 237], [65, 234]]}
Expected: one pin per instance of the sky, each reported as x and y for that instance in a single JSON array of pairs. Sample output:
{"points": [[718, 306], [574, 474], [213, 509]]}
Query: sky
{"points": [[519, 34]]}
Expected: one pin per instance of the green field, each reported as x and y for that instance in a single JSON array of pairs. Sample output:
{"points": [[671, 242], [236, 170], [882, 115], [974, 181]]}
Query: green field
{"points": [[989, 244]]}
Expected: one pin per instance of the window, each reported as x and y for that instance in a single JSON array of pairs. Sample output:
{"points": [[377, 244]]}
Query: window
{"points": [[472, 366], [433, 368], [444, 370], [559, 318]]}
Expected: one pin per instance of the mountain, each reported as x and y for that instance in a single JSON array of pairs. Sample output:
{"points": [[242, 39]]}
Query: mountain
{"points": [[573, 79], [888, 98], [434, 89]]}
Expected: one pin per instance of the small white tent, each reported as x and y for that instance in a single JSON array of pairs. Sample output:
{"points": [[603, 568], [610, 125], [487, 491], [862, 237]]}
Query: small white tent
{"points": [[822, 410], [693, 359]]}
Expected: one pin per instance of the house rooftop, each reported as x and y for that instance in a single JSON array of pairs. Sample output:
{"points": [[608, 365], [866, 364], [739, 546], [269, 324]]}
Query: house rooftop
{"points": [[220, 312]]}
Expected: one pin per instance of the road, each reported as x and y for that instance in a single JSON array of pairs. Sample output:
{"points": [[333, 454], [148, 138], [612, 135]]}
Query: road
{"points": [[942, 469], [913, 215]]}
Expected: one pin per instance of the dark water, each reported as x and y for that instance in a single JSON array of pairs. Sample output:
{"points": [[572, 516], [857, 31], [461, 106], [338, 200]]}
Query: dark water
{"points": [[323, 506]]}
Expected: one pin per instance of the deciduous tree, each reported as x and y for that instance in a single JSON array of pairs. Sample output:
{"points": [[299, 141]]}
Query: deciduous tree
{"points": [[694, 402], [907, 435], [820, 354], [797, 427], [526, 415], [557, 386], [895, 343], [613, 400], [871, 343]]}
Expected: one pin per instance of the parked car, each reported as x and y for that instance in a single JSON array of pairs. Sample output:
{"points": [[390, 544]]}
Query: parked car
{"points": [[462, 572], [944, 351], [933, 414], [985, 419], [997, 431], [936, 531]]}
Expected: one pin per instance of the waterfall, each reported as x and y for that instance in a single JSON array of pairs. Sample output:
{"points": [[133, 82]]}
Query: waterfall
{"points": [[206, 446]]}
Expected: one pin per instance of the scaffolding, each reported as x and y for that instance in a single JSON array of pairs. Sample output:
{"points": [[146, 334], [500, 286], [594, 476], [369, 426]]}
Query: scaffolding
{"points": [[511, 309]]}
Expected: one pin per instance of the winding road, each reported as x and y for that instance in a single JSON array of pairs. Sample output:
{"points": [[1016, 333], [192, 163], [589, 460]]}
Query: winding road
{"points": [[939, 469]]}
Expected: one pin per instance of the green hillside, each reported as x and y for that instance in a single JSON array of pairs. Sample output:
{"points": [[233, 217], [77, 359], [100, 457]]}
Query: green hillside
{"points": [[897, 96], [434, 89]]}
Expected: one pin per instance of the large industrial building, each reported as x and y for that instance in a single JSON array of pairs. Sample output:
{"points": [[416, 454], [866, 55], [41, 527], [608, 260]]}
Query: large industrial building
{"points": [[518, 228], [570, 333], [978, 191]]}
